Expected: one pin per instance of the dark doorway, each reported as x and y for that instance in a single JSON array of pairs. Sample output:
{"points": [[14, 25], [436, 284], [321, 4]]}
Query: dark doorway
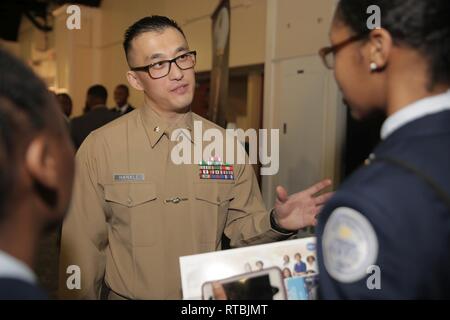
{"points": [[361, 138]]}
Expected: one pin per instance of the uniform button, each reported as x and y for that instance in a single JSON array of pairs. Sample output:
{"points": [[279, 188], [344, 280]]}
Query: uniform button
{"points": [[129, 201], [176, 200], [370, 159], [156, 129]]}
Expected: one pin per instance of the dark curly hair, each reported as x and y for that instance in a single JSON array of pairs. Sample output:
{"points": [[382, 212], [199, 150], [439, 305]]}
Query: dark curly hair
{"points": [[423, 25], [26, 107]]}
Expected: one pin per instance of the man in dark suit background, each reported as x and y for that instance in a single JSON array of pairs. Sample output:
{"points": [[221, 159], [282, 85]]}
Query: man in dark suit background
{"points": [[65, 103], [121, 94], [36, 174], [98, 115]]}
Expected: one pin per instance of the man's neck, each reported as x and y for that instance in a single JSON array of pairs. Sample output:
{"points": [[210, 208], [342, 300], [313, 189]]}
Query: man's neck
{"points": [[169, 117]]}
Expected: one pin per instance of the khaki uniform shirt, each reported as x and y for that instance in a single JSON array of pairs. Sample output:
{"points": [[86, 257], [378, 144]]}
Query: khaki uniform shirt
{"points": [[126, 225]]}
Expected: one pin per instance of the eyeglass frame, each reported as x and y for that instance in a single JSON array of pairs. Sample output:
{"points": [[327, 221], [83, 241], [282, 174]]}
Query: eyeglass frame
{"points": [[174, 60], [335, 48]]}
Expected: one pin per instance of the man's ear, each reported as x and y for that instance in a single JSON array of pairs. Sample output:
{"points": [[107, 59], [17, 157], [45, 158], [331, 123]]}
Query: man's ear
{"points": [[40, 162], [134, 81], [380, 46]]}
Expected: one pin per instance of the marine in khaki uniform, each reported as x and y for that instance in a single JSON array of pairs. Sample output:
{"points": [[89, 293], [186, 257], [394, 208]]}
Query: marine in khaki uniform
{"points": [[134, 212]]}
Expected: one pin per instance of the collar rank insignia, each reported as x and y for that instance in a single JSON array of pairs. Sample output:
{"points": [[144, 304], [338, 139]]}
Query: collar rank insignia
{"points": [[215, 169]]}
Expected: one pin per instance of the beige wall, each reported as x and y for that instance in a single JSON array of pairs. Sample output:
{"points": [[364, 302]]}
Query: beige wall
{"points": [[301, 95], [301, 27], [36, 49]]}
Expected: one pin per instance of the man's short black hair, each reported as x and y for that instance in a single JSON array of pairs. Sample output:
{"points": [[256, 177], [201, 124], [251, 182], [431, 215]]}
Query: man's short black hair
{"points": [[65, 102], [124, 87], [98, 91], [147, 24], [26, 107], [66, 98], [422, 25]]}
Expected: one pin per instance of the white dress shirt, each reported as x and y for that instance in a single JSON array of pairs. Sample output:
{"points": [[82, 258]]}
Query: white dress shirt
{"points": [[11, 267], [122, 109], [414, 111]]}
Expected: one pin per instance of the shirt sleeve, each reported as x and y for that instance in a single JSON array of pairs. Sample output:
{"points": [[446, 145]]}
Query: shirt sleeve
{"points": [[248, 221], [84, 233]]}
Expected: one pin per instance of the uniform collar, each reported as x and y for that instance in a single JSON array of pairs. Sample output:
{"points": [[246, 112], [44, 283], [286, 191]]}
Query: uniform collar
{"points": [[11, 267], [414, 111], [156, 127]]}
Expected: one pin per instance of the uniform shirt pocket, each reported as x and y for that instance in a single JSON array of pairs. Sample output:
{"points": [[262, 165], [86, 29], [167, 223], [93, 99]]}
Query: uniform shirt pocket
{"points": [[211, 210], [212, 194], [134, 211]]}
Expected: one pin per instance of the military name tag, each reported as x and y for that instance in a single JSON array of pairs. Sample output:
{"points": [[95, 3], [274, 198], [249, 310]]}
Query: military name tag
{"points": [[349, 245], [215, 170], [129, 177]]}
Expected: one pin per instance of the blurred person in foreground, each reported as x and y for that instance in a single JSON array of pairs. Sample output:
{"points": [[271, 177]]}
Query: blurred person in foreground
{"points": [[36, 174]]}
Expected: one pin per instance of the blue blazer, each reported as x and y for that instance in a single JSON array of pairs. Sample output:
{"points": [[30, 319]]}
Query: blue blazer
{"points": [[15, 289], [410, 217]]}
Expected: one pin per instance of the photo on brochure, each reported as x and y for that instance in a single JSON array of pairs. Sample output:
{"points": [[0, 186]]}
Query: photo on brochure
{"points": [[285, 270]]}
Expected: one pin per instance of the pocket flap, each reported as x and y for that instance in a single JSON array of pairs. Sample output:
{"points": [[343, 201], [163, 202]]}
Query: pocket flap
{"points": [[130, 194], [210, 194]]}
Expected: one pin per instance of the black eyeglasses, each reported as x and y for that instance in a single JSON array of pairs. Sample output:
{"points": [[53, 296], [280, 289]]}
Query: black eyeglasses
{"points": [[161, 69], [327, 53]]}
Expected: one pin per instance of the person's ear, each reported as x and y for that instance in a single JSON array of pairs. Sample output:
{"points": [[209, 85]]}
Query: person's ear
{"points": [[41, 163], [134, 80], [380, 46]]}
